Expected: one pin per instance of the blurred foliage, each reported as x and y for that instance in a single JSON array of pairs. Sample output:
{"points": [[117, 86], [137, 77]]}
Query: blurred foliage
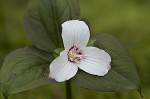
{"points": [[128, 20]]}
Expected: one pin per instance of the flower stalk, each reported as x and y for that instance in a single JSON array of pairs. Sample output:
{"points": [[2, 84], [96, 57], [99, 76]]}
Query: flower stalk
{"points": [[68, 90]]}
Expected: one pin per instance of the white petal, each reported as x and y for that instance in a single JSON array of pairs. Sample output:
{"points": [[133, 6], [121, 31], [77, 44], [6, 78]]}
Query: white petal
{"points": [[95, 61], [61, 69], [75, 33]]}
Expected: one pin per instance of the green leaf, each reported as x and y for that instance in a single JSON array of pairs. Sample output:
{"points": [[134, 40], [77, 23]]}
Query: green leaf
{"points": [[91, 42], [123, 75], [24, 69], [43, 19], [58, 50]]}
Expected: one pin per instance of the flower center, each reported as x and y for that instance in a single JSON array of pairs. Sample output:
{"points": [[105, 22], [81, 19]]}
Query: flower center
{"points": [[74, 54]]}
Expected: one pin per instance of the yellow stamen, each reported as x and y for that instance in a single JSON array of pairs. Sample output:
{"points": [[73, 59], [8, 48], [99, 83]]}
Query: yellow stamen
{"points": [[73, 55]]}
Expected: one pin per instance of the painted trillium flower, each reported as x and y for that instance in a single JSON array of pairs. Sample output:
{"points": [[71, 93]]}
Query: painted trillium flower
{"points": [[75, 35]]}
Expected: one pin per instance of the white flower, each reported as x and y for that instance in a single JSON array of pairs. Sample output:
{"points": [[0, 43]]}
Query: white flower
{"points": [[75, 35]]}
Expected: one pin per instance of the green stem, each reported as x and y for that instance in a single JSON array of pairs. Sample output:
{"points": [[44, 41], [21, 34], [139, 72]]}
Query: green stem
{"points": [[68, 90]]}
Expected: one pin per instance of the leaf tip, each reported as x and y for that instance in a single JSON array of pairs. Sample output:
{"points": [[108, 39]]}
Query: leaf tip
{"points": [[139, 91], [5, 96]]}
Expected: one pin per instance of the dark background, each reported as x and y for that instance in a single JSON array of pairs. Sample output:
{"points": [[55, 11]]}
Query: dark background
{"points": [[128, 20]]}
